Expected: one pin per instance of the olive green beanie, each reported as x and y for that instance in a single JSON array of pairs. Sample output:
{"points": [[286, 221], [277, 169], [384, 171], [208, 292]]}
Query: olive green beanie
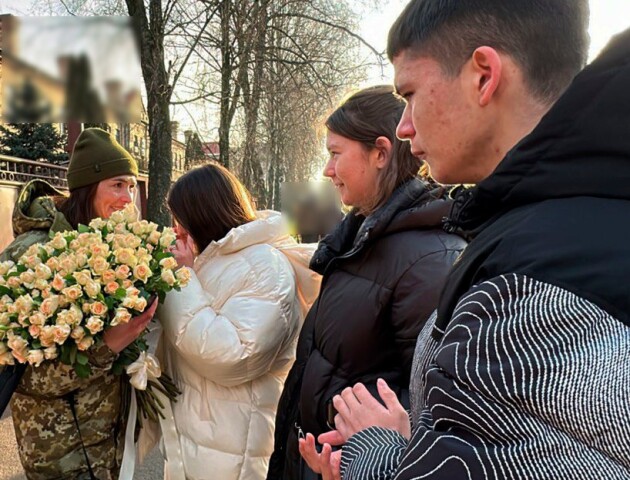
{"points": [[98, 156]]}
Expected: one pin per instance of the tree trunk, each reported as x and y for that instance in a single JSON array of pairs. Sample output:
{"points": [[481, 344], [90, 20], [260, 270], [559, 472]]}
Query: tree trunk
{"points": [[226, 75], [150, 36], [253, 175]]}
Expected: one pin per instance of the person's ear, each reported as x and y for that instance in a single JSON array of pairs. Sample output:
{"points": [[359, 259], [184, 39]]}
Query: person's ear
{"points": [[487, 68], [383, 147]]}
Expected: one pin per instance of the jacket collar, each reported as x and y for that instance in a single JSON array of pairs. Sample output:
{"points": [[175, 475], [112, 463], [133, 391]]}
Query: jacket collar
{"points": [[411, 206], [35, 209], [269, 227]]}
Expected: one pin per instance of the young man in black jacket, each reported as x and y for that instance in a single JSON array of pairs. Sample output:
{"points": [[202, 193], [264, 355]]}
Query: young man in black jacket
{"points": [[524, 372]]}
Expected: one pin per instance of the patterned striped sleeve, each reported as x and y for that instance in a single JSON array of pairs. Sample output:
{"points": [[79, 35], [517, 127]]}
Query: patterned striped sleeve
{"points": [[530, 381], [373, 453]]}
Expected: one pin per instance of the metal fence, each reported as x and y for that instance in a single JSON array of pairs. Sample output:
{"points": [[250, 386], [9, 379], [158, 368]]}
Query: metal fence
{"points": [[17, 171]]}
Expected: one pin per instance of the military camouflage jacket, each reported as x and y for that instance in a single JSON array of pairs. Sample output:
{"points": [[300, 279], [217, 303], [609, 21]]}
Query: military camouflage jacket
{"points": [[47, 435]]}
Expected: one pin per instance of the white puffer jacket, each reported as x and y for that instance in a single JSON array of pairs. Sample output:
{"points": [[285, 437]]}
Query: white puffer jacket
{"points": [[230, 339]]}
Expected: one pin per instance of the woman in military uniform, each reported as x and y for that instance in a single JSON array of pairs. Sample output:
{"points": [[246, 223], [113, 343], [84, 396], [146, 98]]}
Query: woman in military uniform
{"points": [[69, 427]]}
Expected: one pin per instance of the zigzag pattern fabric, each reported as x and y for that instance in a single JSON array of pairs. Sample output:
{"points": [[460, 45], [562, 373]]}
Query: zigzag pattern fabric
{"points": [[530, 381]]}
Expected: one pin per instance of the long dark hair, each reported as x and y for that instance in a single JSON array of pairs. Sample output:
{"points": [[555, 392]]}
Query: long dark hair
{"points": [[78, 207], [208, 202], [366, 115]]}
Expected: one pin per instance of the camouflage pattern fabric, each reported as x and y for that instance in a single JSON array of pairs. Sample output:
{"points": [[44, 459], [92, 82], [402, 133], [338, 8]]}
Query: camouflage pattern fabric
{"points": [[47, 436]]}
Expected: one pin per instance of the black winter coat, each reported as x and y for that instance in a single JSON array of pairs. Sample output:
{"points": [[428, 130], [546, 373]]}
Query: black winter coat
{"points": [[382, 279]]}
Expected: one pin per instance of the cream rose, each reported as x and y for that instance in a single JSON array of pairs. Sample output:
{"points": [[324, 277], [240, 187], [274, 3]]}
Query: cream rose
{"points": [[85, 343], [17, 343], [5, 319], [108, 276], [58, 283], [82, 277], [24, 304], [131, 241], [27, 277], [97, 224], [122, 272], [14, 282], [34, 330], [38, 318], [50, 305], [6, 266], [100, 250], [111, 287], [35, 357], [47, 336], [98, 264], [41, 284], [140, 305], [76, 314], [81, 259], [94, 325], [53, 263], [98, 308], [68, 265], [58, 242], [78, 333], [154, 237], [168, 277], [183, 276], [61, 333], [122, 316], [121, 229], [126, 256], [168, 237], [117, 217], [168, 263], [142, 272], [129, 301], [133, 292], [31, 261], [92, 289], [50, 353], [73, 293], [7, 359]]}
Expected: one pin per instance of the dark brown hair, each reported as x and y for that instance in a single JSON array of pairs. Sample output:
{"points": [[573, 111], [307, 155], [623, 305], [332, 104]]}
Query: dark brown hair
{"points": [[78, 207], [366, 115], [547, 38], [208, 202]]}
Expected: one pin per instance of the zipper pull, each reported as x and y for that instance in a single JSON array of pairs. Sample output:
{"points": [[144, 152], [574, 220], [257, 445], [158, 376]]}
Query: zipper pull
{"points": [[299, 431]]}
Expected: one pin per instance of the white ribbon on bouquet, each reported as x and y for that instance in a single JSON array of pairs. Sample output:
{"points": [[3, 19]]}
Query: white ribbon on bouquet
{"points": [[144, 369]]}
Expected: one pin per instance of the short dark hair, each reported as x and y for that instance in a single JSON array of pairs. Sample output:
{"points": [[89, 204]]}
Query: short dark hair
{"points": [[209, 201], [371, 113], [78, 207], [547, 38]]}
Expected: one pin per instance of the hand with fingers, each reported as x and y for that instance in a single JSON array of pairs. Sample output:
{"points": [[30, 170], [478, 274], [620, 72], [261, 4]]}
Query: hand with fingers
{"points": [[184, 251], [119, 337], [326, 463], [357, 410]]}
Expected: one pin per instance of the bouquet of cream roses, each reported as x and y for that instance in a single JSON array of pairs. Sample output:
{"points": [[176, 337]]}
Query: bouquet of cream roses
{"points": [[60, 297]]}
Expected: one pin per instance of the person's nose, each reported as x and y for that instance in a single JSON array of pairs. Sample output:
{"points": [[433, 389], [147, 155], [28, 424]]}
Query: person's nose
{"points": [[329, 169], [127, 195], [405, 130]]}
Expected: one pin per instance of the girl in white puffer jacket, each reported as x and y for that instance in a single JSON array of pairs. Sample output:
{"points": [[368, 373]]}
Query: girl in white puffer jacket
{"points": [[230, 335]]}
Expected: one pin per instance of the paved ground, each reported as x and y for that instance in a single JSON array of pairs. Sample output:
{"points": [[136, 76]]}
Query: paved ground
{"points": [[10, 468]]}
